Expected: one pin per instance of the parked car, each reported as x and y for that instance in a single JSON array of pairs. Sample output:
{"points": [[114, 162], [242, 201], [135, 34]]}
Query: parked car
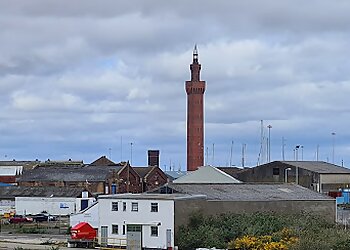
{"points": [[43, 217], [20, 219]]}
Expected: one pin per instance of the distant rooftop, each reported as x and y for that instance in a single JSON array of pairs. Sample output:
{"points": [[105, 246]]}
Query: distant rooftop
{"points": [[152, 196], [20, 191], [68, 173], [319, 167], [173, 175], [207, 174], [245, 192]]}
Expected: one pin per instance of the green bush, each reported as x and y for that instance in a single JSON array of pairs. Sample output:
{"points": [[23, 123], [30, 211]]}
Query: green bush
{"points": [[314, 232]]}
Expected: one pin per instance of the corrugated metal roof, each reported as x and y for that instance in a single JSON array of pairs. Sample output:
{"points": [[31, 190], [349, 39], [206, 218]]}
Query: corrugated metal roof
{"points": [[249, 192], [151, 196], [69, 174], [319, 167], [207, 174]]}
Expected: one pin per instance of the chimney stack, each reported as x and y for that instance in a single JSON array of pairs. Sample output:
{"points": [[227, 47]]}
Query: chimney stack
{"points": [[153, 158]]}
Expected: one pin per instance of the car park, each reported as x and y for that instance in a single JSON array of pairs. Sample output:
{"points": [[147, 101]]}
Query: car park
{"points": [[43, 217], [20, 219]]}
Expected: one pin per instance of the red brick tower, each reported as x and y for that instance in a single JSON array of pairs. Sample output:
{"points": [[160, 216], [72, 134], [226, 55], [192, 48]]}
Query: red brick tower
{"points": [[195, 116]]}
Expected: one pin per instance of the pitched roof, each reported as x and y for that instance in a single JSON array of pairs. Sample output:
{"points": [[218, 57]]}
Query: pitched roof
{"points": [[25, 164], [232, 170], [20, 191], [319, 167], [207, 174], [103, 161], [173, 175], [69, 174], [143, 171], [247, 192]]}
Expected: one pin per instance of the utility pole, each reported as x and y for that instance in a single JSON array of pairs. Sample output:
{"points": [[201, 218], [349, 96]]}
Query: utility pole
{"points": [[333, 138], [213, 154], [110, 153], [131, 153], [302, 152], [121, 148], [243, 154], [269, 144], [231, 153], [283, 145]]}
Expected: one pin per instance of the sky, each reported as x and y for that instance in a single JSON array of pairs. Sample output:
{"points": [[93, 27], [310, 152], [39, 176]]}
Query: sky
{"points": [[81, 79]]}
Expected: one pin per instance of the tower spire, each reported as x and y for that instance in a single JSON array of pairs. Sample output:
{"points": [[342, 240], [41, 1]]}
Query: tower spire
{"points": [[195, 55]]}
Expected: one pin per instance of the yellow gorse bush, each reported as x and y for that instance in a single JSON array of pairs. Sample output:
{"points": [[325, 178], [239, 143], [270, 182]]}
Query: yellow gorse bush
{"points": [[278, 241]]}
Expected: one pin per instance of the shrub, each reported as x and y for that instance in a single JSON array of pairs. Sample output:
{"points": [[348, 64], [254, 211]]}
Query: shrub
{"points": [[312, 232]]}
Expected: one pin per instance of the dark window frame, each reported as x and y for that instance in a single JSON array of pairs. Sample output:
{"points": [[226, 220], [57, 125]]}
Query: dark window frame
{"points": [[154, 231], [154, 207], [115, 229], [115, 206]]}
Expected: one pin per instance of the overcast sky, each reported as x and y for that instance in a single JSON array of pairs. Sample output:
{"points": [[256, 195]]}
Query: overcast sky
{"points": [[81, 79]]}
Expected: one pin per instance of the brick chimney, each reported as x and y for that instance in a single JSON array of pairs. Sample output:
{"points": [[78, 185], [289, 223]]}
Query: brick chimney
{"points": [[153, 158]]}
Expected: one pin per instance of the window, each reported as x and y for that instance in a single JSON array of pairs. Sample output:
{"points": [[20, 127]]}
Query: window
{"points": [[124, 206], [134, 228], [134, 206], [114, 229], [123, 229], [114, 206], [154, 207], [276, 171], [154, 231]]}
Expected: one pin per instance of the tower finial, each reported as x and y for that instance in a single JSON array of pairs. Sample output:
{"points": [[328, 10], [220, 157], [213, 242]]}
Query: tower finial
{"points": [[195, 54]]}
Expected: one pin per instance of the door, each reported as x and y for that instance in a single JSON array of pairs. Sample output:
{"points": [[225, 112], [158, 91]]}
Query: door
{"points": [[104, 236], [84, 204], [168, 238], [134, 237]]}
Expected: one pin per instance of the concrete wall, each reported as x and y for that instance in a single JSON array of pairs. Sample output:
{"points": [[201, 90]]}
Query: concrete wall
{"points": [[341, 179], [144, 217], [184, 208]]}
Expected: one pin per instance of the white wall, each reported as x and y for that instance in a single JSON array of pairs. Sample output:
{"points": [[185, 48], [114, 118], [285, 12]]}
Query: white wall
{"points": [[144, 216], [53, 205], [89, 215]]}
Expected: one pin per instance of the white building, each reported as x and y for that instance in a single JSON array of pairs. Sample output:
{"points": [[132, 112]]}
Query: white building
{"points": [[140, 220], [89, 215], [52, 205], [54, 200]]}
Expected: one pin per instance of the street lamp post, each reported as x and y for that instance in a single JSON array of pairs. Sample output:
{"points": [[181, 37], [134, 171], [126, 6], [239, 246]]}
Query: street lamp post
{"points": [[269, 151], [302, 152], [297, 152], [286, 174], [333, 136]]}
